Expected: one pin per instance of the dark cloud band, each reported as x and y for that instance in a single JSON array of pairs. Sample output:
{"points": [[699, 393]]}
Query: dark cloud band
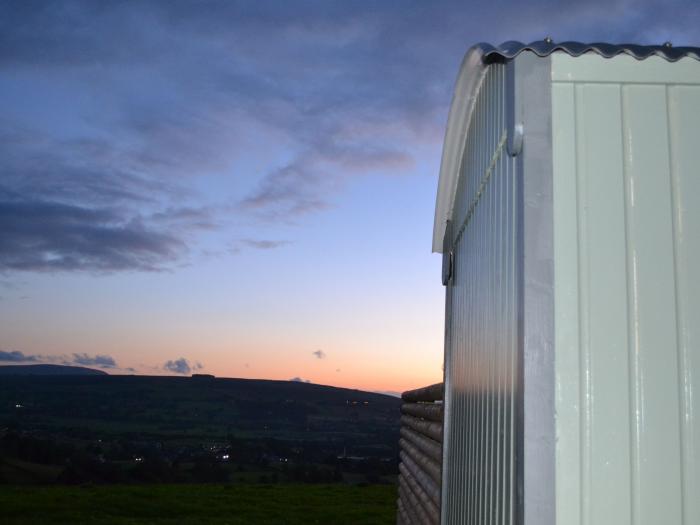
{"points": [[38, 235]]}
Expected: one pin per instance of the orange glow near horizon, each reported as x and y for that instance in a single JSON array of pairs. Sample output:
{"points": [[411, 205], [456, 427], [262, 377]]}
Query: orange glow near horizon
{"points": [[384, 362]]}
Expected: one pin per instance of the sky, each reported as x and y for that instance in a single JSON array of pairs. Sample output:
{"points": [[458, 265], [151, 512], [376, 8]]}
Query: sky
{"points": [[244, 189]]}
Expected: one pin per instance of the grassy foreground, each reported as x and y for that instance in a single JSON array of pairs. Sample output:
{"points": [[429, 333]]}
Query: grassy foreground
{"points": [[199, 504]]}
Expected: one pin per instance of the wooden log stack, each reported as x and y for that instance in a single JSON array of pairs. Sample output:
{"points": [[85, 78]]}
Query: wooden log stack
{"points": [[421, 456]]}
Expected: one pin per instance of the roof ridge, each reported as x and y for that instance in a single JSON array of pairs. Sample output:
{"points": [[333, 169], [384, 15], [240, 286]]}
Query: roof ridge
{"points": [[512, 48]]}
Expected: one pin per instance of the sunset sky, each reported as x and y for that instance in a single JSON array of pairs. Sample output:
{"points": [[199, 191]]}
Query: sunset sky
{"points": [[244, 188]]}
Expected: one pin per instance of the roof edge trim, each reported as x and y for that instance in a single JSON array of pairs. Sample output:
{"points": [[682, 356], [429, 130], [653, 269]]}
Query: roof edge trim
{"points": [[469, 79], [543, 48]]}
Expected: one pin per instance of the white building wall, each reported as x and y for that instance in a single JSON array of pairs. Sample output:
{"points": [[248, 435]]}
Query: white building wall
{"points": [[626, 183]]}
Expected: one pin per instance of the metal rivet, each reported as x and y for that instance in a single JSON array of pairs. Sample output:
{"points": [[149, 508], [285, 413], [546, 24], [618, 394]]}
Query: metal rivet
{"points": [[668, 44], [548, 40]]}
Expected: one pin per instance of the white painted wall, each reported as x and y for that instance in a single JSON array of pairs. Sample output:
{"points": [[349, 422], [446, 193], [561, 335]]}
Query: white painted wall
{"points": [[626, 182]]}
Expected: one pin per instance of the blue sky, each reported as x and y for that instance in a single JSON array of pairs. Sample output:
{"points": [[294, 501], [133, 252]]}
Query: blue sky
{"points": [[229, 187]]}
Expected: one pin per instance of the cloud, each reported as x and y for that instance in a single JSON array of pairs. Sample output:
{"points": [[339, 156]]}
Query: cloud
{"points": [[319, 354], [181, 366], [102, 361], [299, 380], [79, 359], [298, 79], [306, 184], [264, 244], [138, 117], [291, 191], [49, 236], [186, 217], [17, 357]]}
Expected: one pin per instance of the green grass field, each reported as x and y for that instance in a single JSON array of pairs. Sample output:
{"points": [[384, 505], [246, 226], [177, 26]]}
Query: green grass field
{"points": [[199, 504]]}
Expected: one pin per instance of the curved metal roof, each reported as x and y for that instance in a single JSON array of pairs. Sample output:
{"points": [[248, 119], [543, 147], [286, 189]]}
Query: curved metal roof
{"points": [[512, 48], [469, 79]]}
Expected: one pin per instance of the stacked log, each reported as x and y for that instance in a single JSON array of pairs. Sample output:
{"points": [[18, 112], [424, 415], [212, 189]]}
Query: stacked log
{"points": [[421, 456]]}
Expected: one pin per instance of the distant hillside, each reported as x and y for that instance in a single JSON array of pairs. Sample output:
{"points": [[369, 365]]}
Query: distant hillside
{"points": [[49, 370], [176, 408], [121, 429]]}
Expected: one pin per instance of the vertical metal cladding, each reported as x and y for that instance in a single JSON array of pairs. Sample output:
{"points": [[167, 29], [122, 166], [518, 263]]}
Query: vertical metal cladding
{"points": [[479, 479], [627, 247]]}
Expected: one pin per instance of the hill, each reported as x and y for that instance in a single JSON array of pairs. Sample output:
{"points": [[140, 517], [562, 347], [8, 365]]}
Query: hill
{"points": [[49, 370], [195, 429]]}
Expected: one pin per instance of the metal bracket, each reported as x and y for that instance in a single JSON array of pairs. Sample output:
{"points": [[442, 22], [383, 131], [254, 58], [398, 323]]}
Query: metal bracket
{"points": [[515, 139], [447, 265], [514, 117], [447, 255]]}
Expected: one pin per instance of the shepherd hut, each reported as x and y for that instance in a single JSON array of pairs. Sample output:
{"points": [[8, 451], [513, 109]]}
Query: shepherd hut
{"points": [[568, 217]]}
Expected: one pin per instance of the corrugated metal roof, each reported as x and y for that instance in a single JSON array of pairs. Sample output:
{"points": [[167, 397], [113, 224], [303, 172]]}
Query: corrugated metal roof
{"points": [[469, 79], [511, 49]]}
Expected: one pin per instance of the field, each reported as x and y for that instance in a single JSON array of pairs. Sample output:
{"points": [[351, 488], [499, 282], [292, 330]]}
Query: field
{"points": [[199, 504], [179, 450]]}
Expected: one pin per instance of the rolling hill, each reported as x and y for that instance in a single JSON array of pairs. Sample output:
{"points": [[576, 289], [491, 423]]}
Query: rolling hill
{"points": [[49, 370], [195, 428]]}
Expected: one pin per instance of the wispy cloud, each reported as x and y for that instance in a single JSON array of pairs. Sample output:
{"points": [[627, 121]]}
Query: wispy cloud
{"points": [[307, 183], [39, 235], [291, 191], [15, 356], [192, 218], [181, 366], [134, 105], [80, 359], [255, 244], [101, 361], [264, 244]]}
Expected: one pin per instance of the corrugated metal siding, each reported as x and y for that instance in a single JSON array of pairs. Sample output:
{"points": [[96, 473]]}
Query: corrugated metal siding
{"points": [[481, 359], [627, 243]]}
